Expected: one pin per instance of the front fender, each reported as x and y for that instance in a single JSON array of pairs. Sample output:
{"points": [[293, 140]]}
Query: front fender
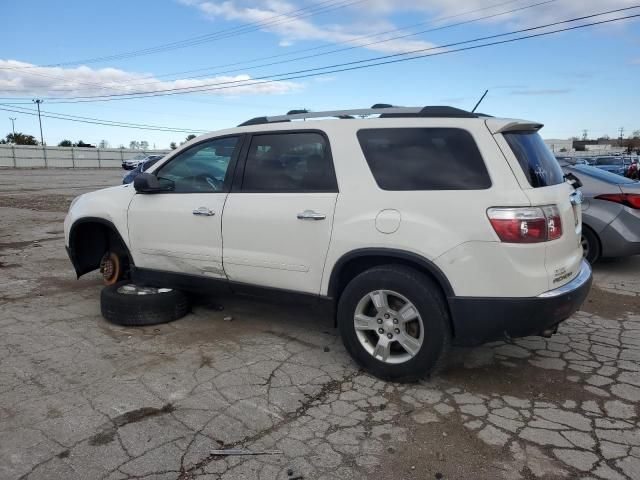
{"points": [[108, 205]]}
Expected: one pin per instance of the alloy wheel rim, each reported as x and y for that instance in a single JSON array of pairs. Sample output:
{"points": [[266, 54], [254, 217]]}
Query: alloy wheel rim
{"points": [[585, 246], [388, 326], [131, 289]]}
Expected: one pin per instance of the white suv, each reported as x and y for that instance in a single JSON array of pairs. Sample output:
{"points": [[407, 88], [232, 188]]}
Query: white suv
{"points": [[422, 226]]}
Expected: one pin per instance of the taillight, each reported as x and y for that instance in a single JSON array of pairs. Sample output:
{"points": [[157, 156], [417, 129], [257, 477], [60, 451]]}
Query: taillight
{"points": [[526, 224], [554, 222], [627, 199]]}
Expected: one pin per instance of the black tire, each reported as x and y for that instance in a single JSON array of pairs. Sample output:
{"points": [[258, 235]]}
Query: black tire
{"points": [[591, 245], [427, 298], [137, 310]]}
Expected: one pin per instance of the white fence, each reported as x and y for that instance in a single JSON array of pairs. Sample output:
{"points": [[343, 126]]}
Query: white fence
{"points": [[26, 156]]}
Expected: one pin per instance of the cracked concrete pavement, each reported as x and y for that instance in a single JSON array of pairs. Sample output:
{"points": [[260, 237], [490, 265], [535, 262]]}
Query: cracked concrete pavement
{"points": [[81, 398]]}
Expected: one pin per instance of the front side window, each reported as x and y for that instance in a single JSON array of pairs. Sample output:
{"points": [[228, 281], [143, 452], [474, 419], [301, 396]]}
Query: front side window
{"points": [[538, 163], [202, 168], [289, 162], [424, 159]]}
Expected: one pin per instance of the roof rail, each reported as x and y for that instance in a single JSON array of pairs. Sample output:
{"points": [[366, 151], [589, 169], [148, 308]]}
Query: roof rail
{"points": [[381, 105], [383, 110]]}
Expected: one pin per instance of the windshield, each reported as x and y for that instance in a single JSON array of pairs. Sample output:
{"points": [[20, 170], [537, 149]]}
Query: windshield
{"points": [[538, 163], [610, 161]]}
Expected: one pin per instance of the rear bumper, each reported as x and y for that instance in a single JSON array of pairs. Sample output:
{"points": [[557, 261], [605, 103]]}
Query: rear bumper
{"points": [[479, 319]]}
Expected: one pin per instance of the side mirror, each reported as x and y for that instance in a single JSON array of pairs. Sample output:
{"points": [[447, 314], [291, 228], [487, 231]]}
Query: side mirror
{"points": [[146, 183]]}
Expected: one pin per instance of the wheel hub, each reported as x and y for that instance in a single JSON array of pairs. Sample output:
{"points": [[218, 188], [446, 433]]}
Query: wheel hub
{"points": [[131, 289], [388, 326], [108, 266]]}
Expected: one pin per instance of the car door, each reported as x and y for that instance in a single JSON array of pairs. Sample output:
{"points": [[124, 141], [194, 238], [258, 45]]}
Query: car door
{"points": [[179, 229], [277, 219]]}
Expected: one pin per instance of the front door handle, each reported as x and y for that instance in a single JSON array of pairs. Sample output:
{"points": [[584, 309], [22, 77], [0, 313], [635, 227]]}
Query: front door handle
{"points": [[311, 215], [204, 211]]}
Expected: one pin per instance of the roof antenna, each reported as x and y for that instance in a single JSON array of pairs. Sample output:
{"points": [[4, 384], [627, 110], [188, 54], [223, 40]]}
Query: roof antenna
{"points": [[480, 101]]}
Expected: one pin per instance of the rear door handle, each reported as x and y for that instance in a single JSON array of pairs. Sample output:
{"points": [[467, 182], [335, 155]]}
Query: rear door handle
{"points": [[311, 215], [203, 211]]}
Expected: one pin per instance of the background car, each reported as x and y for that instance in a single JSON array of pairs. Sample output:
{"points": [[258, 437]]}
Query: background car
{"points": [[613, 164], [142, 167], [610, 212], [630, 167], [133, 162]]}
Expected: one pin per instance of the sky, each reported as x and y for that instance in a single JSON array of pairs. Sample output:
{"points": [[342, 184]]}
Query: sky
{"points": [[72, 54]]}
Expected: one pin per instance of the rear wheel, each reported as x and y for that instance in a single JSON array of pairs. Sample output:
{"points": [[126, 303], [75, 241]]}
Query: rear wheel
{"points": [[590, 245], [394, 322]]}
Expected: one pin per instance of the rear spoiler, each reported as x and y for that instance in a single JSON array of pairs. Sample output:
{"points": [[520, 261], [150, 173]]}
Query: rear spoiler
{"points": [[501, 125]]}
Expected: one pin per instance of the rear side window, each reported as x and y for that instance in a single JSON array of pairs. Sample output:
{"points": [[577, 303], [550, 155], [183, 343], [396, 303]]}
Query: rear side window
{"points": [[424, 159], [289, 162], [538, 163]]}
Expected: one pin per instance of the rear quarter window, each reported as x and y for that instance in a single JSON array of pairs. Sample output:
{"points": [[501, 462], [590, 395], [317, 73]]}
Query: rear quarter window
{"points": [[538, 163], [424, 159]]}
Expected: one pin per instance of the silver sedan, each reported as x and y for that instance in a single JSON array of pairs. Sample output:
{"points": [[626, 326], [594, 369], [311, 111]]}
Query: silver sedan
{"points": [[610, 212]]}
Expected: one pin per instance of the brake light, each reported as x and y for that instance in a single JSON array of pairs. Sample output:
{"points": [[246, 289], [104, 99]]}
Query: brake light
{"points": [[627, 199], [526, 224], [554, 222]]}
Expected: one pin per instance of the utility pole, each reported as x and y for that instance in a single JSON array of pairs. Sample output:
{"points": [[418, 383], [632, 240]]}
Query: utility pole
{"points": [[13, 127], [38, 101], [621, 130], [585, 134]]}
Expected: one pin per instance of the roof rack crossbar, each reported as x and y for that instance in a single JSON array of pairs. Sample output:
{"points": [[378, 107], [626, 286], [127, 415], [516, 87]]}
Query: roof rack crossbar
{"points": [[376, 110]]}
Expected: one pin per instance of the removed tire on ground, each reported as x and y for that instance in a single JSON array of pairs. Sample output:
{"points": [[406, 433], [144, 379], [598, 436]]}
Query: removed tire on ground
{"points": [[127, 304]]}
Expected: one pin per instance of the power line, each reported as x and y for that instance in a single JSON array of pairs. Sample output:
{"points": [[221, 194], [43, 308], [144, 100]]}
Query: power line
{"points": [[111, 121], [377, 42], [346, 42], [232, 32], [97, 121], [304, 12], [336, 67], [58, 116], [106, 87]]}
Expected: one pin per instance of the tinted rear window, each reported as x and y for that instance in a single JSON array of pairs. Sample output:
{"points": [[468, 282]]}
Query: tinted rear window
{"points": [[538, 163], [424, 159]]}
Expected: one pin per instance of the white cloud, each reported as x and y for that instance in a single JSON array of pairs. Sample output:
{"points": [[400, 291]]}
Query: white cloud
{"points": [[557, 10], [541, 91], [20, 78], [280, 18], [371, 16]]}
